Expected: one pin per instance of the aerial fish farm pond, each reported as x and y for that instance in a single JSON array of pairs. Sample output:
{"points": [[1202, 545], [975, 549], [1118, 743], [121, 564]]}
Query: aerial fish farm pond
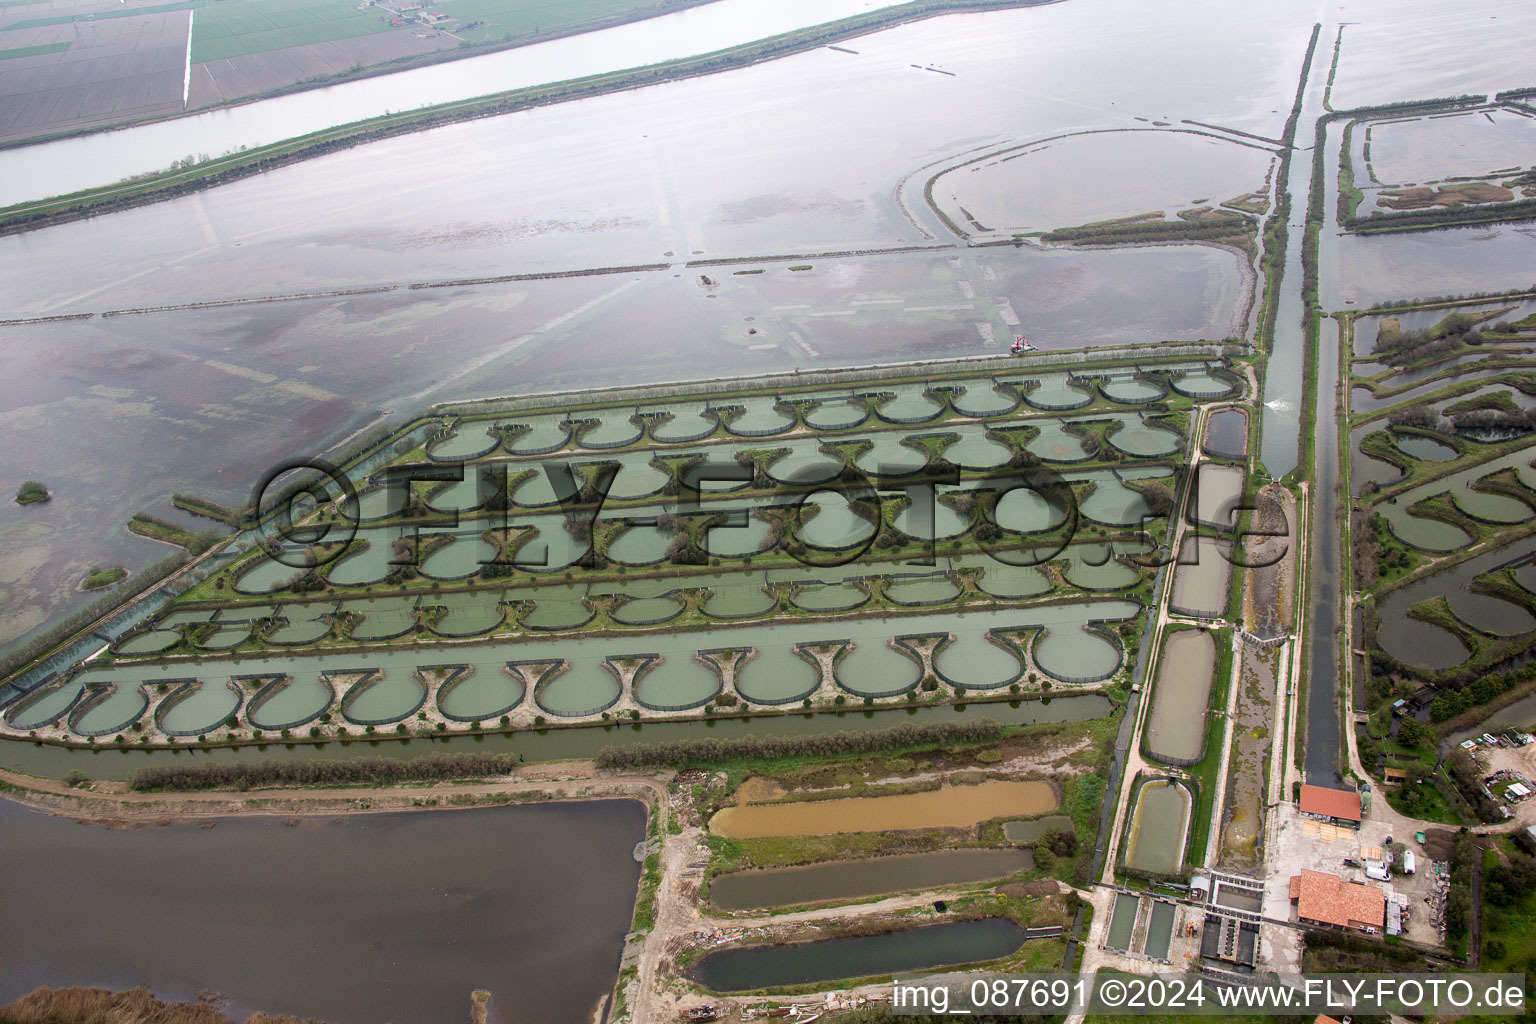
{"points": [[812, 544]]}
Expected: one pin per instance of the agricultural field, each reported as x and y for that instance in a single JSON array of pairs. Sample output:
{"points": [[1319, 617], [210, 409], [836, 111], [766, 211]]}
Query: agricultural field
{"points": [[69, 65]]}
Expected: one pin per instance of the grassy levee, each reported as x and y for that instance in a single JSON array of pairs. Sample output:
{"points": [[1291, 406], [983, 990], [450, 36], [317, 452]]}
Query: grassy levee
{"points": [[235, 166], [1276, 235], [1440, 218]]}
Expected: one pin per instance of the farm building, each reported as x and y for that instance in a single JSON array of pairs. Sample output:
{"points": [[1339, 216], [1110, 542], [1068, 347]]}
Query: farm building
{"points": [[1339, 806], [1326, 899]]}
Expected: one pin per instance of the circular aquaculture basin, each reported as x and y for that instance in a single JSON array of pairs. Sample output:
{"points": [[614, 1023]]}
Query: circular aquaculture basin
{"points": [[482, 696], [646, 611], [887, 456], [1159, 827], [45, 705], [677, 684], [196, 709], [478, 487], [909, 405], [551, 612], [1054, 444], [1009, 582], [1143, 441], [585, 688], [1490, 614], [730, 539], [976, 662], [383, 618], [716, 475], [640, 544], [459, 560], [545, 433], [1202, 384], [977, 451], [1131, 390], [875, 669], [553, 547], [379, 502], [688, 423], [837, 414], [835, 525], [298, 632], [1074, 655], [290, 702], [805, 467], [148, 642], [982, 402], [1113, 503], [1421, 644], [471, 614], [612, 430], [469, 441], [542, 488], [383, 698], [829, 597], [1026, 511], [1493, 508], [1054, 393], [1422, 532], [744, 599], [223, 637], [637, 480], [1098, 570], [924, 590], [777, 676], [363, 567], [928, 519], [759, 418], [113, 708], [1427, 448], [264, 575]]}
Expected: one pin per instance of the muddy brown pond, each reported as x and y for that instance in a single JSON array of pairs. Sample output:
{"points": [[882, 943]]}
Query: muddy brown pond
{"points": [[949, 807]]}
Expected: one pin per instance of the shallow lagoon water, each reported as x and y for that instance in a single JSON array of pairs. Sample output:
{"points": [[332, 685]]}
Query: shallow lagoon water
{"points": [[428, 937]]}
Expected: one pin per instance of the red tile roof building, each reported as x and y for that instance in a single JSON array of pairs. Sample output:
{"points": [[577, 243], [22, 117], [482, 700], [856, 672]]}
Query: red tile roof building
{"points": [[1322, 898], [1335, 804]]}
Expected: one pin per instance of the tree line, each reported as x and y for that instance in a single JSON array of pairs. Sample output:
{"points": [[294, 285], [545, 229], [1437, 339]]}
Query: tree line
{"points": [[379, 771], [676, 753]]}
